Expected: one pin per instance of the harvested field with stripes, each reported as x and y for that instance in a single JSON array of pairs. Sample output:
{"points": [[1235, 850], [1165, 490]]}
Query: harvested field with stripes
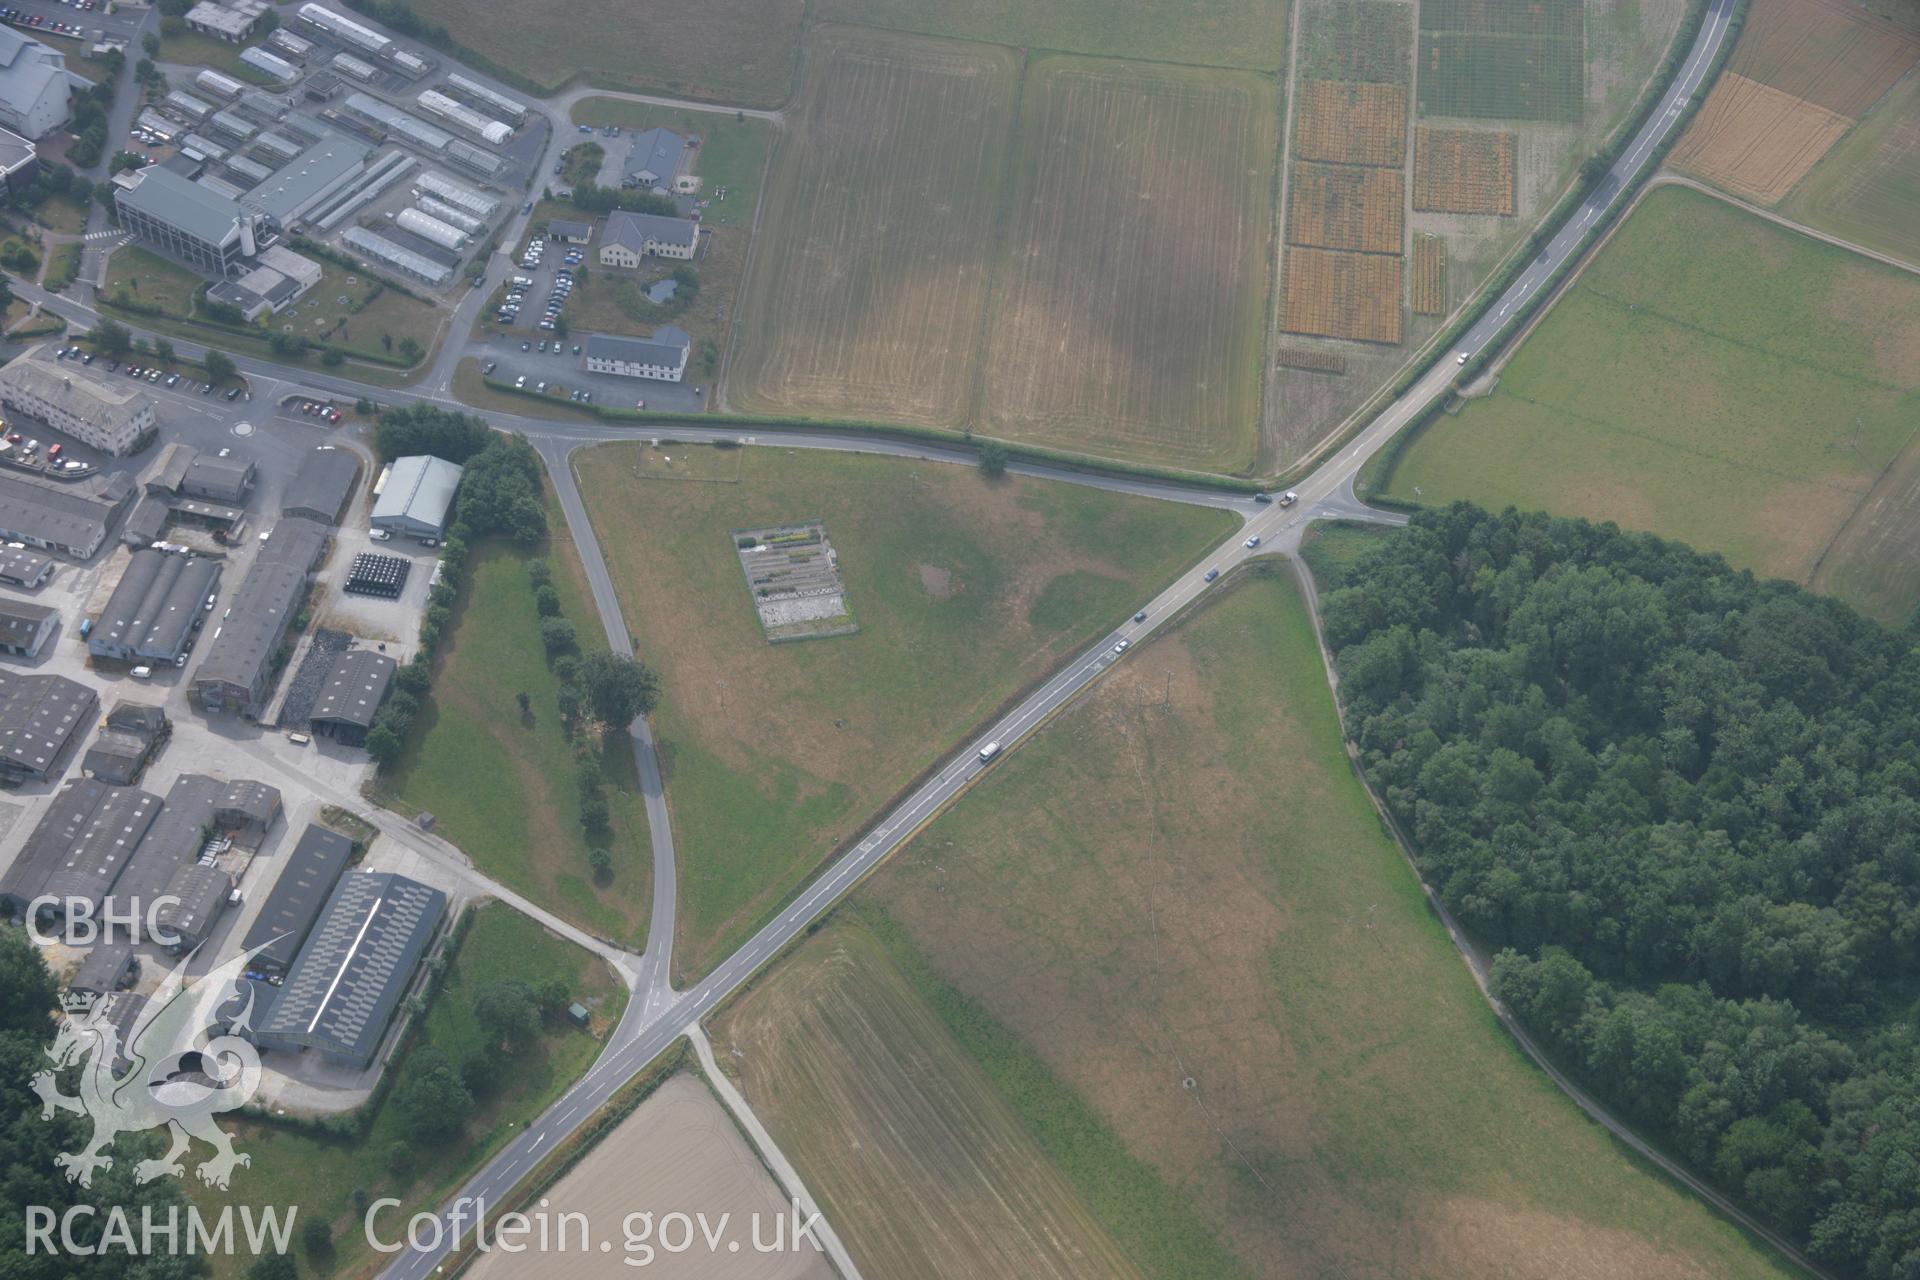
{"points": [[1756, 141], [1131, 289], [869, 280], [1335, 294], [1345, 123], [1429, 275], [1464, 171], [1827, 51], [1803, 73], [1868, 188], [1347, 206]]}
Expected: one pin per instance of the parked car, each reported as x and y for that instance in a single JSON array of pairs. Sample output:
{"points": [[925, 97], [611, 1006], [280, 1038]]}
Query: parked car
{"points": [[489, 366], [233, 393], [379, 535]]}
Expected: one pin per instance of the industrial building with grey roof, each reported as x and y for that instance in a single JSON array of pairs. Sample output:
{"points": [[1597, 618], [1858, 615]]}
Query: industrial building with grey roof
{"points": [[305, 883], [236, 673], [80, 845], [351, 695], [41, 717], [418, 494], [155, 609], [25, 627], [69, 519], [355, 966], [323, 486]]}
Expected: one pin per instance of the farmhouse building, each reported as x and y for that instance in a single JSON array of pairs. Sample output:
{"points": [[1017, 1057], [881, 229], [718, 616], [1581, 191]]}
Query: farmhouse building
{"points": [[630, 237], [663, 357], [653, 160]]}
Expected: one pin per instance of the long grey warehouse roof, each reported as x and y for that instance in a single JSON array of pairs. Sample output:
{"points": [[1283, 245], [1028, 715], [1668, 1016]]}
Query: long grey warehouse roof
{"points": [[295, 900], [103, 968], [355, 966], [57, 517], [172, 841], [39, 714], [152, 611], [81, 843], [264, 603], [354, 688], [165, 195], [198, 895], [320, 169], [419, 488], [323, 485]]}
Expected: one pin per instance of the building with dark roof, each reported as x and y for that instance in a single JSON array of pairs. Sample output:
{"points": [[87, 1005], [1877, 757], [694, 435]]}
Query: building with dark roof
{"points": [[237, 673], [70, 519], [41, 717], [567, 231], [133, 735], [107, 968], [178, 840], [157, 606], [628, 237], [195, 898], [145, 523], [418, 494], [663, 357], [294, 903], [654, 157], [351, 695], [186, 219], [355, 966], [25, 628], [227, 479], [80, 845], [323, 486], [25, 569]]}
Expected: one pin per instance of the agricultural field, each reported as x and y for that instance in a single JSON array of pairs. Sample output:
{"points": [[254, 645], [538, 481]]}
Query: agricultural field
{"points": [[1128, 302], [1717, 379], [1247, 34], [1867, 189], [965, 591], [733, 152], [922, 1167], [1429, 286], [1503, 59], [742, 51], [1350, 123], [1234, 970], [1368, 41], [523, 826], [870, 275], [1803, 73], [1464, 171], [326, 1176], [1347, 206], [682, 1152], [1342, 295]]}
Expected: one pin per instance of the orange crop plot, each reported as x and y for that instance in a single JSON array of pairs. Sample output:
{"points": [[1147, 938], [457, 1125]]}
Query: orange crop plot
{"points": [[1755, 140], [1464, 171], [1429, 275], [1334, 294], [1351, 123], [1347, 206], [1310, 360]]}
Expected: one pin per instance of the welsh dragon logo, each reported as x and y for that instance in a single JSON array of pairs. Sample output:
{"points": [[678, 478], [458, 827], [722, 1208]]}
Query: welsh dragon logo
{"points": [[173, 1070]]}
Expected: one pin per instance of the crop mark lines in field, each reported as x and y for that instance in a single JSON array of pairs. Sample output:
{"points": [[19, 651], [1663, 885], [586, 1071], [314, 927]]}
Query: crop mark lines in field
{"points": [[1131, 278], [870, 299]]}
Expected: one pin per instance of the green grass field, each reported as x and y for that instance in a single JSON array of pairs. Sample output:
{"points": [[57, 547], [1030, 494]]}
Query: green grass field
{"points": [[1356, 40], [733, 152], [191, 49], [322, 1174], [724, 50], [1712, 378], [1501, 77], [150, 280], [775, 754], [1216, 33], [1867, 189], [1178, 905], [58, 213], [522, 825]]}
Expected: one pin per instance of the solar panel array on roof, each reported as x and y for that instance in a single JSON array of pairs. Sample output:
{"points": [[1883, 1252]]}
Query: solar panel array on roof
{"points": [[349, 977], [377, 575]]}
